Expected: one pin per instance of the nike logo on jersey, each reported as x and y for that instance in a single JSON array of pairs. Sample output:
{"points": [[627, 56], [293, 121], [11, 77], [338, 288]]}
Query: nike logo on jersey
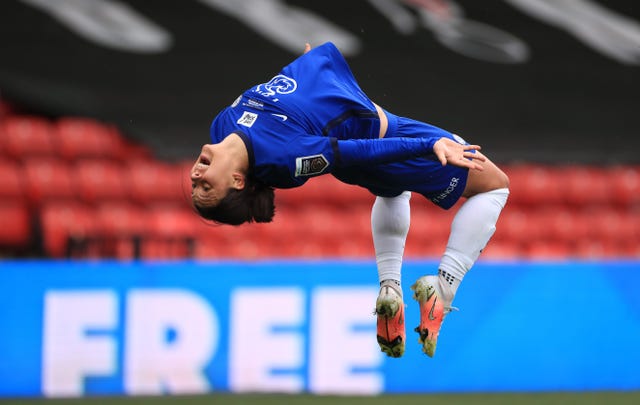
{"points": [[281, 116]]}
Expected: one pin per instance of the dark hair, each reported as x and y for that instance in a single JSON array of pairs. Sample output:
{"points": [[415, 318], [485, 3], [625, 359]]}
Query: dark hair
{"points": [[254, 203]]}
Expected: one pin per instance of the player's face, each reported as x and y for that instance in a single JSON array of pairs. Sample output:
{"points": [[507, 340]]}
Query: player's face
{"points": [[211, 177]]}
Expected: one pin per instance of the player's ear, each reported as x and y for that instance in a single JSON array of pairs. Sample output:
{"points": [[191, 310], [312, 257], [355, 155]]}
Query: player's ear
{"points": [[238, 181]]}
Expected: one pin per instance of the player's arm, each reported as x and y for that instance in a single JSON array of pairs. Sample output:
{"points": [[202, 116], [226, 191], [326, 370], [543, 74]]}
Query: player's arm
{"points": [[309, 155], [355, 152]]}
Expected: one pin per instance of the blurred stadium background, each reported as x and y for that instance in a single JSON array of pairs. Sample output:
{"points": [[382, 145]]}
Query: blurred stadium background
{"points": [[104, 104]]}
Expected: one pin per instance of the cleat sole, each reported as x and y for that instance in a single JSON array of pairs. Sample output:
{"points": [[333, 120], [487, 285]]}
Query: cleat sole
{"points": [[387, 310]]}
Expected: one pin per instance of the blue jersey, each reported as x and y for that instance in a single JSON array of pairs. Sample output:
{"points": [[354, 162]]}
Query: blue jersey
{"points": [[313, 119]]}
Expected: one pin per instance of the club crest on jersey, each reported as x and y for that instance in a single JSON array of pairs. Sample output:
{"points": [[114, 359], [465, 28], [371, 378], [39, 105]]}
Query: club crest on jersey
{"points": [[247, 119], [311, 165], [280, 84]]}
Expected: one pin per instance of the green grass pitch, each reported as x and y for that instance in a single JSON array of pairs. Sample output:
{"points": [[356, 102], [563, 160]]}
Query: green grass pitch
{"points": [[565, 398]]}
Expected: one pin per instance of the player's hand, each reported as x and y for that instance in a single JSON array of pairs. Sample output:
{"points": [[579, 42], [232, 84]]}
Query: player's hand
{"points": [[307, 48], [451, 152]]}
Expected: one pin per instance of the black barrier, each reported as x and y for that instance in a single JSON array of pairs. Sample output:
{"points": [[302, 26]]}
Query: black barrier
{"points": [[530, 80]]}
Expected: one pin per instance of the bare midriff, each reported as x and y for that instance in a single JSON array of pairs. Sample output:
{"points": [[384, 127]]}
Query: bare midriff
{"points": [[384, 122]]}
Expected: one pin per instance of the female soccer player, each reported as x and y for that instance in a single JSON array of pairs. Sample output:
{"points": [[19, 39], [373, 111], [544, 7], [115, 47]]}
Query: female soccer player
{"points": [[313, 119]]}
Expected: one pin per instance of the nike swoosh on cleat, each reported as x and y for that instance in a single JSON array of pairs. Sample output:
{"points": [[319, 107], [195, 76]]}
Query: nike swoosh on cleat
{"points": [[281, 116], [431, 317]]}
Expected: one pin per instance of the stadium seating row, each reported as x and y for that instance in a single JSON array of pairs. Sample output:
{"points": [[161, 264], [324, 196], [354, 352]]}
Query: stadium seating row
{"points": [[69, 138], [575, 185], [102, 151], [75, 186], [37, 180], [312, 230]]}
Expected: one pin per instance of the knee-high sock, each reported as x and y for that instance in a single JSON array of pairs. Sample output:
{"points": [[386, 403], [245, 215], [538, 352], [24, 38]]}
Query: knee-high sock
{"points": [[390, 218], [471, 229]]}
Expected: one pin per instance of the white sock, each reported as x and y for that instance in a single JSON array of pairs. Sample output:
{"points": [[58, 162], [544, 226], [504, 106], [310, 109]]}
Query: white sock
{"points": [[471, 229], [390, 218]]}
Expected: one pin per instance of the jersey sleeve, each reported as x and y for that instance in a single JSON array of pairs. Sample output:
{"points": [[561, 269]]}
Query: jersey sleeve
{"points": [[354, 152], [315, 155]]}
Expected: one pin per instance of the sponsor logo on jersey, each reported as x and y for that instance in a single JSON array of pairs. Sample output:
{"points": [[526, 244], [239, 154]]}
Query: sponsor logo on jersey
{"points": [[251, 103], [311, 165], [280, 84], [452, 186], [247, 119]]}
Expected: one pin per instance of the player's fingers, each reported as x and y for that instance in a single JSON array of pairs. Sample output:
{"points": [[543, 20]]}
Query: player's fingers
{"points": [[307, 47], [475, 156], [463, 161], [473, 165], [471, 147]]}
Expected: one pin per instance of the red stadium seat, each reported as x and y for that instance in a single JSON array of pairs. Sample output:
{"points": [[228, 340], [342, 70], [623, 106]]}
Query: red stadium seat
{"points": [[171, 220], [630, 249], [325, 190], [516, 224], [47, 180], [610, 224], [121, 219], [135, 152], [625, 184], [23, 137], [287, 223], [531, 184], [15, 231], [63, 223], [344, 248], [172, 232], [27, 136], [428, 222], [11, 181], [432, 249], [502, 250], [542, 249], [247, 241], [559, 223], [79, 138], [330, 225], [120, 229], [585, 185], [101, 180], [243, 248], [599, 249], [154, 182]]}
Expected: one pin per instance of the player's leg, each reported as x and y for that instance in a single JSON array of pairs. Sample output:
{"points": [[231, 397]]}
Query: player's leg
{"points": [[471, 229], [474, 223], [389, 225]]}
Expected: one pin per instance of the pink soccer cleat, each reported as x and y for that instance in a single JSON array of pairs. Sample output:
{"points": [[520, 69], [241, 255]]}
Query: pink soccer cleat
{"points": [[390, 312], [433, 308]]}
